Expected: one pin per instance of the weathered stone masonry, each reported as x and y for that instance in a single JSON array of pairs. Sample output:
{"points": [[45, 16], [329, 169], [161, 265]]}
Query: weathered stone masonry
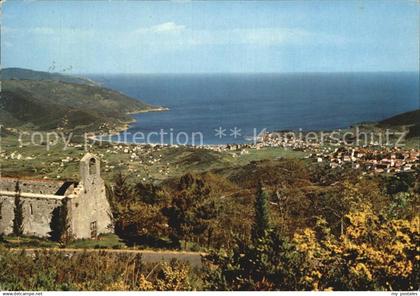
{"points": [[88, 208]]}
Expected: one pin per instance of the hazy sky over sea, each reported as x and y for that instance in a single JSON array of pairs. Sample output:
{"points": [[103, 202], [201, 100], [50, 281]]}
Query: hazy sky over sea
{"points": [[205, 36]]}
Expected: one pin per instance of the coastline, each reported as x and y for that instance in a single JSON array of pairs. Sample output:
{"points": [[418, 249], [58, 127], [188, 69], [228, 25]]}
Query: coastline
{"points": [[125, 125], [157, 109]]}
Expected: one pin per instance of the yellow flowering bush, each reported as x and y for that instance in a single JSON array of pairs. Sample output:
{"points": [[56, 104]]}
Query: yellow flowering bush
{"points": [[370, 254]]}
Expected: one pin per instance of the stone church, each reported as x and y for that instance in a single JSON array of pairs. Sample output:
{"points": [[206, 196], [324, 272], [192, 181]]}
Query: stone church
{"points": [[88, 211]]}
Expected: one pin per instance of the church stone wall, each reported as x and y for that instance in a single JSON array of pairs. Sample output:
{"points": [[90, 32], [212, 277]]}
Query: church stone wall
{"points": [[6, 214], [37, 216], [88, 208], [30, 186], [37, 213]]}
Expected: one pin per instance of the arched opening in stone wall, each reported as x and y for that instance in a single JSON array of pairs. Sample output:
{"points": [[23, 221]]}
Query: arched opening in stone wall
{"points": [[93, 230], [92, 166]]}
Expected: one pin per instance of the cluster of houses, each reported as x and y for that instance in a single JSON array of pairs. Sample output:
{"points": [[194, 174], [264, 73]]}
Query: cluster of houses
{"points": [[371, 158], [386, 160]]}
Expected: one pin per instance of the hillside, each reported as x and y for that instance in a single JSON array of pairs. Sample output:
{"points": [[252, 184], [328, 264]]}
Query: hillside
{"points": [[411, 119], [27, 74], [49, 104], [407, 118]]}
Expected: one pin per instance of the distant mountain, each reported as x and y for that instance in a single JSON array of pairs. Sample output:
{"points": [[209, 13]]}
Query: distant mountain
{"points": [[26, 74], [411, 119], [45, 103]]}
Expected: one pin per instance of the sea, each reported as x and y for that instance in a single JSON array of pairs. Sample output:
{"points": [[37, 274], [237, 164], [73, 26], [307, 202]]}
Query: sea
{"points": [[234, 108]]}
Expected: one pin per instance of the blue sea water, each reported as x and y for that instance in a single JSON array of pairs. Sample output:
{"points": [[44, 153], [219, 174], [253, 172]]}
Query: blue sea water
{"points": [[316, 101]]}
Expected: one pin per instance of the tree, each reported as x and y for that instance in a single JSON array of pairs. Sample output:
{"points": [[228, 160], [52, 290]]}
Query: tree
{"points": [[60, 223], [121, 192], [137, 212], [264, 264], [118, 197], [150, 194], [261, 223], [188, 207], [142, 223], [205, 221], [18, 211]]}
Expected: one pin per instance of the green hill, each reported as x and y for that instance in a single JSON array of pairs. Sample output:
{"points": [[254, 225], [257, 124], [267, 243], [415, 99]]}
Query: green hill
{"points": [[410, 119], [49, 104], [26, 74]]}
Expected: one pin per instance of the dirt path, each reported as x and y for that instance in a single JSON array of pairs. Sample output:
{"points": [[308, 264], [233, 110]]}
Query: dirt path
{"points": [[193, 258]]}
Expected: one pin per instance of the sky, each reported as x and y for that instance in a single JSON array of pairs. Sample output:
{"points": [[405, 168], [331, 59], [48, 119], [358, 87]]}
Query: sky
{"points": [[210, 36]]}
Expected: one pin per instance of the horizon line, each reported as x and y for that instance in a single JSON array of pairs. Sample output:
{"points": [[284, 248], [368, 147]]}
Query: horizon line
{"points": [[198, 73], [212, 72]]}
